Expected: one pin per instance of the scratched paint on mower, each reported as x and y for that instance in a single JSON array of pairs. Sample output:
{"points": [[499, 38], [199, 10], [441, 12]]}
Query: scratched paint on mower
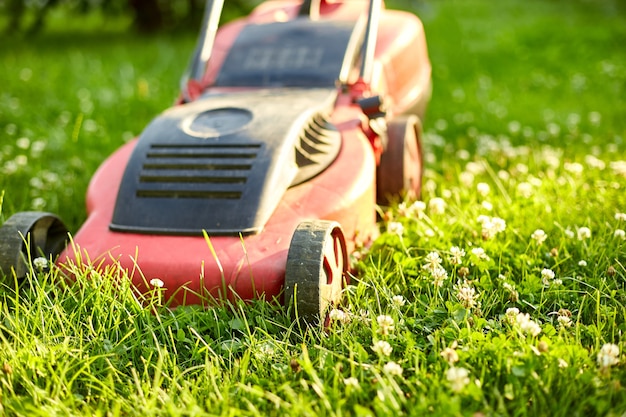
{"points": [[293, 123]]}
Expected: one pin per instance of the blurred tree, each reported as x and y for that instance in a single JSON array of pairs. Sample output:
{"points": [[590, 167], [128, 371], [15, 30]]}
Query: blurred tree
{"points": [[148, 15]]}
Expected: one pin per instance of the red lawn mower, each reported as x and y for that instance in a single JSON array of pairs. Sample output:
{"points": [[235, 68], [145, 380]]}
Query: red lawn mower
{"points": [[293, 123]]}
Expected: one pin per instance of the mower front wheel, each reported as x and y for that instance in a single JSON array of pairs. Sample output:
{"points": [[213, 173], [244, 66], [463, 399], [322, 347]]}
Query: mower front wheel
{"points": [[26, 236], [317, 265]]}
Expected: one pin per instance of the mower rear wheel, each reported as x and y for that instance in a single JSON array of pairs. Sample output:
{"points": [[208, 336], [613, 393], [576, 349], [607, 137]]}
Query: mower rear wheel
{"points": [[400, 169], [26, 236], [317, 265]]}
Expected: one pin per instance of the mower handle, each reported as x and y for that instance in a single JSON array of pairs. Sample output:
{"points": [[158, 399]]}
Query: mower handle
{"points": [[369, 43], [204, 47]]}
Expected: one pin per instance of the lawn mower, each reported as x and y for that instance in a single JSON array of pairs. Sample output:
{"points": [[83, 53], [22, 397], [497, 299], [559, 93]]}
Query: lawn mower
{"points": [[293, 123]]}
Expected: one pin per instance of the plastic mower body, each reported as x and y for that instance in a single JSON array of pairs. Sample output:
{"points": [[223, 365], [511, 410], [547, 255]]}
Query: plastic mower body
{"points": [[293, 123]]}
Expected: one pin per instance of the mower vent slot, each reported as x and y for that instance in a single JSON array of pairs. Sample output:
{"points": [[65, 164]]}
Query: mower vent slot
{"points": [[317, 147], [207, 166], [188, 194], [198, 171], [316, 139]]}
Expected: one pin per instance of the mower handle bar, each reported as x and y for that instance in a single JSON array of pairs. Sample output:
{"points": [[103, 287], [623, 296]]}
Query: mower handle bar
{"points": [[210, 23], [204, 46]]}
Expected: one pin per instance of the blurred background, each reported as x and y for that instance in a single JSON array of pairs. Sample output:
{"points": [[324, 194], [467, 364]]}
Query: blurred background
{"points": [[30, 16], [82, 77]]}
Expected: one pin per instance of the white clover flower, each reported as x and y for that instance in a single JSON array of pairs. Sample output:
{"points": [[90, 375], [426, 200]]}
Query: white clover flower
{"points": [[398, 300], [40, 263], [21, 160], [480, 254], [463, 154], [441, 124], [621, 217], [514, 127], [491, 226], [385, 324], [37, 147], [546, 276], [487, 205], [568, 232], [382, 348], [433, 261], [439, 275], [475, 168], [582, 263], [512, 311], [402, 209], [513, 293], [456, 255], [417, 209], [38, 203], [534, 181], [510, 316], [595, 118], [458, 378], [392, 368], [508, 287], [539, 236], [504, 175], [338, 315], [527, 325], [619, 234], [50, 177], [437, 205], [594, 162], [583, 233], [23, 143], [498, 225], [574, 168], [466, 294], [466, 178], [525, 189], [564, 321], [156, 282], [430, 185], [608, 355], [450, 355], [37, 183], [482, 219], [266, 349], [483, 189], [618, 167], [364, 316], [352, 382], [10, 167], [395, 228], [562, 363]]}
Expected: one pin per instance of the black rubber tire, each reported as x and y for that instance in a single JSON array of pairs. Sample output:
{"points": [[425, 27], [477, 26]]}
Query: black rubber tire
{"points": [[316, 273], [400, 169], [31, 233]]}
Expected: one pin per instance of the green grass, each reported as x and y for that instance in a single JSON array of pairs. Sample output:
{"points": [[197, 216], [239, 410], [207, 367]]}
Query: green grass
{"points": [[528, 103]]}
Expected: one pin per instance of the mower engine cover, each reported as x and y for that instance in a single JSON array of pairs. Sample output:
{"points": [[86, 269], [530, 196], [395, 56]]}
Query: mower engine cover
{"points": [[222, 163]]}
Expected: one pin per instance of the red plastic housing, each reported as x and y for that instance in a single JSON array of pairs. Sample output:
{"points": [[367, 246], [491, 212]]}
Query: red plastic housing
{"points": [[254, 266]]}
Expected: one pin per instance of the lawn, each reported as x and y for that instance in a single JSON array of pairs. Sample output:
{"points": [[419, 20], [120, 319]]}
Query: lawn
{"points": [[500, 292]]}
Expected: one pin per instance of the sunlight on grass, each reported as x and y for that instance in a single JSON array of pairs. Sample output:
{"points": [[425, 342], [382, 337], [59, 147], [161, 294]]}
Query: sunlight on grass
{"points": [[500, 292]]}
